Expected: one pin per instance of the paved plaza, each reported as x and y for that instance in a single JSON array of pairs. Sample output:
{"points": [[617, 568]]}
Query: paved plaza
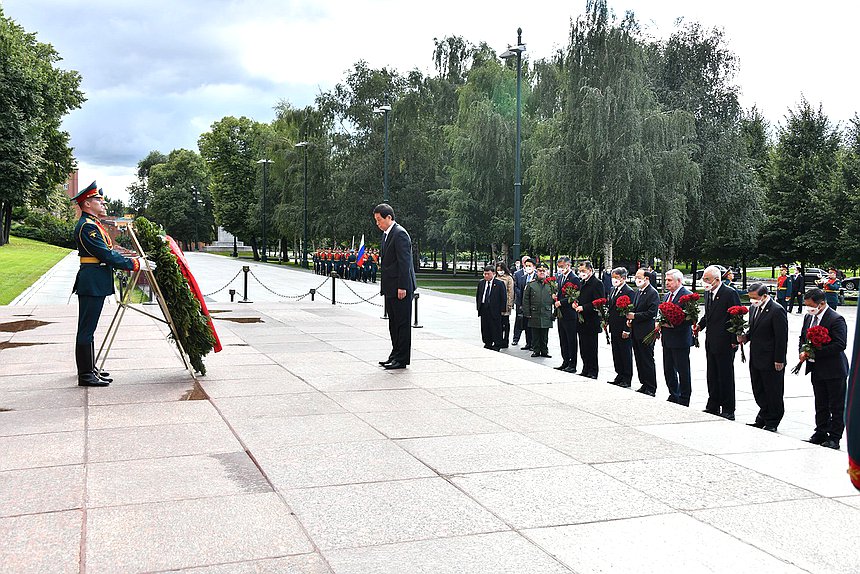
{"points": [[302, 456]]}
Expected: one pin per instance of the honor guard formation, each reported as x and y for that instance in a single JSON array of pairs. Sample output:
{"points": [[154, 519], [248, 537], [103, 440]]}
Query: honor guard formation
{"points": [[347, 263]]}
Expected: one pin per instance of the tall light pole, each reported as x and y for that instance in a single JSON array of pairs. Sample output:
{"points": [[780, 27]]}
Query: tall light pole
{"points": [[265, 163], [304, 146], [384, 110], [517, 51]]}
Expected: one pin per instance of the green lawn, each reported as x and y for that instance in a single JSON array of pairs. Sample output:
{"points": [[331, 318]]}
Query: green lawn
{"points": [[22, 262]]}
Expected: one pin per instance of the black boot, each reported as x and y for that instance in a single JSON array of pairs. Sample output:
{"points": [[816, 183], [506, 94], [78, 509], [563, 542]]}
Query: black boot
{"points": [[100, 374], [86, 365]]}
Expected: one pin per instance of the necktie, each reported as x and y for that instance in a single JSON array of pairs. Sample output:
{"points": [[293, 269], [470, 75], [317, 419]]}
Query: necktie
{"points": [[815, 320], [486, 291]]}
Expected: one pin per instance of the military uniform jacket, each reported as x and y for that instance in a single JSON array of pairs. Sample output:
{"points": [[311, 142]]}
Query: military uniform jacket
{"points": [[538, 304], [98, 259]]}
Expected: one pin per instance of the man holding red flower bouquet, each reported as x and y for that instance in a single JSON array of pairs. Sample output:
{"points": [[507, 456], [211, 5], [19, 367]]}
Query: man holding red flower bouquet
{"points": [[828, 364], [677, 341], [641, 323], [622, 344], [768, 338], [720, 343]]}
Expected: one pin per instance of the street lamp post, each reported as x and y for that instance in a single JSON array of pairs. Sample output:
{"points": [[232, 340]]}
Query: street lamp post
{"points": [[384, 110], [265, 163], [304, 146], [511, 52]]}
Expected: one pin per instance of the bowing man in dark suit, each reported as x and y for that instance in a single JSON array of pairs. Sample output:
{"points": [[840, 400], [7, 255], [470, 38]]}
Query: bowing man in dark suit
{"points": [[589, 329], [829, 369], [397, 285], [568, 318], [676, 345], [768, 338], [622, 344], [641, 322], [720, 344], [491, 298]]}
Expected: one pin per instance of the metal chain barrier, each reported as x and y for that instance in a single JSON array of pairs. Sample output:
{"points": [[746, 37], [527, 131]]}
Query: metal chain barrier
{"points": [[294, 297], [361, 299], [225, 286]]}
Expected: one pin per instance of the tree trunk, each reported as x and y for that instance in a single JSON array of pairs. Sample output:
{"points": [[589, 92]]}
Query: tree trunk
{"points": [[744, 268], [254, 248], [6, 227], [693, 269], [607, 254], [454, 260], [505, 257], [444, 258], [434, 258]]}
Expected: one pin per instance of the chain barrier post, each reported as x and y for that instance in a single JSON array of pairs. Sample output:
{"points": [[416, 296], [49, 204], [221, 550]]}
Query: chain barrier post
{"points": [[232, 294], [416, 325], [384, 308], [313, 293], [245, 270], [334, 276]]}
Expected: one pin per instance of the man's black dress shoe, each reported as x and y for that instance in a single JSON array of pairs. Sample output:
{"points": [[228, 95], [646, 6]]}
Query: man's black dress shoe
{"points": [[817, 439], [710, 412], [383, 363], [570, 369], [756, 424], [834, 444], [592, 376], [769, 428], [535, 354], [646, 391], [729, 416], [395, 365], [624, 385], [546, 356], [561, 367], [526, 348], [672, 399]]}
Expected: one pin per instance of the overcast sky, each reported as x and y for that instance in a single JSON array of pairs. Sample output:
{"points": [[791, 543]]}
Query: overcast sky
{"points": [[157, 74]]}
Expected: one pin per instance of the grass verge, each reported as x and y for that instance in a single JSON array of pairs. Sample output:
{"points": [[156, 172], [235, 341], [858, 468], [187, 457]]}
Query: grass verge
{"points": [[22, 262]]}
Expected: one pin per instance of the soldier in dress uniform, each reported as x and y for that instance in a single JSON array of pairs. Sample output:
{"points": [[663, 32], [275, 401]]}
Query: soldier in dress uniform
{"points": [[374, 265], [94, 281], [831, 287], [352, 265], [784, 287]]}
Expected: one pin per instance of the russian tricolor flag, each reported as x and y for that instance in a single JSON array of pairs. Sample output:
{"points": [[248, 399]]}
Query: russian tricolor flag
{"points": [[361, 256]]}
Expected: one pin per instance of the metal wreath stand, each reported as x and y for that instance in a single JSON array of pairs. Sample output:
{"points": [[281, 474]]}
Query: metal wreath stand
{"points": [[124, 303]]}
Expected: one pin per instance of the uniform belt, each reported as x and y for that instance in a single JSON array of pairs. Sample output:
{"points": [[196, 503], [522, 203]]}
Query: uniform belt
{"points": [[90, 260]]}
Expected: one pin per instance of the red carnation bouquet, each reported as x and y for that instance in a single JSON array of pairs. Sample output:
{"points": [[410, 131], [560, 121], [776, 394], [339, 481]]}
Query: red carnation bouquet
{"points": [[738, 325], [602, 307], [624, 305], [553, 284], [690, 305], [816, 337], [668, 314], [571, 291]]}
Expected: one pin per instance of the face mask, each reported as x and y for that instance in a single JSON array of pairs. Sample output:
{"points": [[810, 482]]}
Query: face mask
{"points": [[756, 302], [583, 275], [500, 272], [529, 270], [709, 286], [617, 282], [812, 311], [640, 283]]}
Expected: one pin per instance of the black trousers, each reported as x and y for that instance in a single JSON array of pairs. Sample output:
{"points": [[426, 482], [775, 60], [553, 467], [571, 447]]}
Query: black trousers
{"points": [[830, 407], [645, 367], [399, 327], [721, 381], [768, 387], [89, 311], [540, 340], [588, 352], [567, 341], [796, 297], [622, 358], [522, 324], [676, 370], [491, 328], [506, 331]]}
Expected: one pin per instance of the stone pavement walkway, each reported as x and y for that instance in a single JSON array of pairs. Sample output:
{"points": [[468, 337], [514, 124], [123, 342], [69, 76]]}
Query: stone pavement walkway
{"points": [[305, 457]]}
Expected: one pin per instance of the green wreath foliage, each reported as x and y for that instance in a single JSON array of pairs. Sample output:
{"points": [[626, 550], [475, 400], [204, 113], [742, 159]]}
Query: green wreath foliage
{"points": [[191, 325]]}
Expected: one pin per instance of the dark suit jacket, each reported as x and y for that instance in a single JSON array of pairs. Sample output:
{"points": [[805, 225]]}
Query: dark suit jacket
{"points": [[565, 311], [618, 322], [497, 300], [798, 283], [830, 360], [768, 335], [397, 269], [591, 290], [716, 319], [680, 337], [644, 312], [520, 280]]}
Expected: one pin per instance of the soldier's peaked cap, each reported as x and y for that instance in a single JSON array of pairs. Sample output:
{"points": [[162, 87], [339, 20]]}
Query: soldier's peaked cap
{"points": [[89, 191]]}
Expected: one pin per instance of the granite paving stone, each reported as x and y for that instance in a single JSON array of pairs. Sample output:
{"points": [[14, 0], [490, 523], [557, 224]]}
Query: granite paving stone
{"points": [[41, 421], [38, 382], [556, 496], [447, 379], [385, 512], [390, 400], [285, 384], [496, 396], [643, 410], [277, 405], [719, 437], [483, 452], [40, 543], [121, 393], [818, 469], [274, 433], [375, 382], [149, 414], [697, 482], [42, 399], [530, 418], [825, 522], [171, 535], [614, 444], [850, 500], [654, 545], [174, 478], [302, 564], [327, 464], [415, 424], [156, 441], [496, 553], [38, 490], [37, 450], [260, 372]]}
